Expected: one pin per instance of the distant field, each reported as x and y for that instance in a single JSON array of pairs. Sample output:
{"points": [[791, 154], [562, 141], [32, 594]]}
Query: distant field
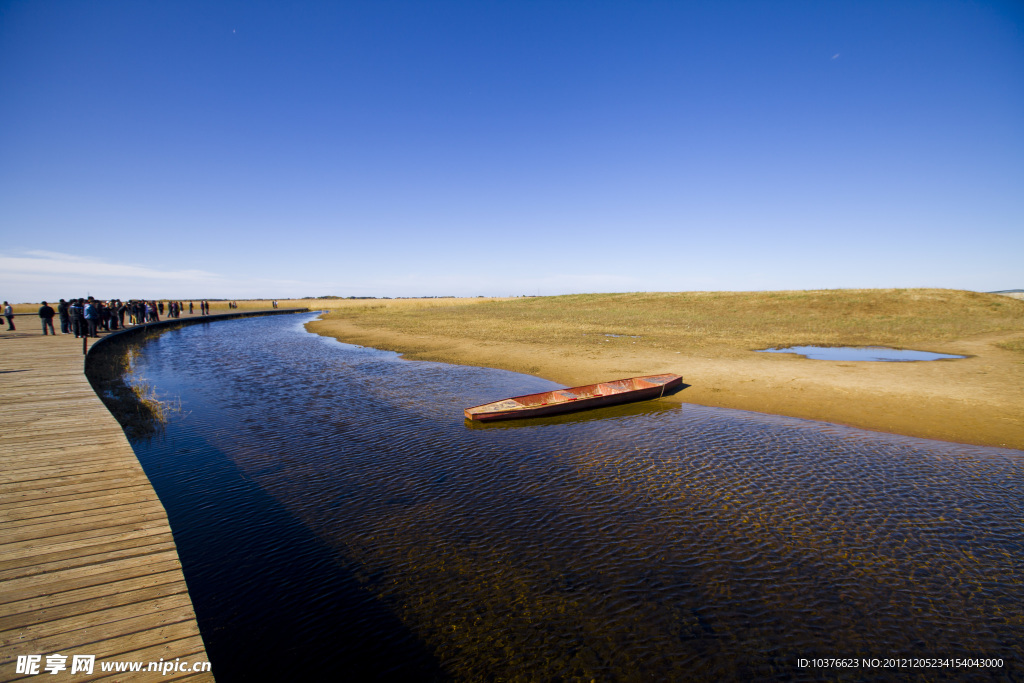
{"points": [[345, 304], [738, 320]]}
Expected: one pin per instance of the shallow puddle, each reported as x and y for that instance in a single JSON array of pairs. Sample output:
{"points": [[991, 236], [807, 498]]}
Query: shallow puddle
{"points": [[333, 513], [861, 353]]}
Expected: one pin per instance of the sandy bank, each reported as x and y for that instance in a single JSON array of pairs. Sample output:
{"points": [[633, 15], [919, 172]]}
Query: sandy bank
{"points": [[977, 400]]}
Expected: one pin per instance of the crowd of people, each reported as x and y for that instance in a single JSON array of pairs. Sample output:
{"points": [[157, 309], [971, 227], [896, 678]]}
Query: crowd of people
{"points": [[89, 316]]}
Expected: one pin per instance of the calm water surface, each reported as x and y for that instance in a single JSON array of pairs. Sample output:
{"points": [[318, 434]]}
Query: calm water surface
{"points": [[336, 517], [862, 353]]}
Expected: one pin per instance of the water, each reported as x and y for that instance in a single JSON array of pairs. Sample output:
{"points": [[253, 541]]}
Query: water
{"points": [[861, 353], [334, 513]]}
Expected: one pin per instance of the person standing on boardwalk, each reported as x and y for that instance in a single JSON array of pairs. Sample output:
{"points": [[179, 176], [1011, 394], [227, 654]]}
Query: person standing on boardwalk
{"points": [[112, 307], [9, 314], [46, 317], [104, 312], [92, 317], [65, 321], [75, 310]]}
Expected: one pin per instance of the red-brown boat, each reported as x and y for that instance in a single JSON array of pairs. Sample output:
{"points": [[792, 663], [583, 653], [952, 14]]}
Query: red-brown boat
{"points": [[576, 398]]}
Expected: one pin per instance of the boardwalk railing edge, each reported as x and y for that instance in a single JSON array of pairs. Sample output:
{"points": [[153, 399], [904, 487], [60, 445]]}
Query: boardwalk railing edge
{"points": [[179, 322]]}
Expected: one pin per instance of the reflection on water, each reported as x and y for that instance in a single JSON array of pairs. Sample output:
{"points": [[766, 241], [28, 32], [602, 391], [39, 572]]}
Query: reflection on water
{"points": [[332, 510], [861, 353], [623, 410]]}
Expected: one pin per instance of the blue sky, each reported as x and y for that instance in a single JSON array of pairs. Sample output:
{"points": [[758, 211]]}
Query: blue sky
{"points": [[377, 148]]}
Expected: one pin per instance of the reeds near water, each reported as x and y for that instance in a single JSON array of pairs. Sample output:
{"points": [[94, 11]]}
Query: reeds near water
{"points": [[133, 402]]}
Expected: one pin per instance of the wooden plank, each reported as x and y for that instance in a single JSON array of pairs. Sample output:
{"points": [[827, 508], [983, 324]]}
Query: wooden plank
{"points": [[95, 491], [109, 615], [79, 577], [23, 531], [84, 594], [73, 479], [43, 473], [88, 564], [44, 514], [86, 535], [28, 455], [52, 613], [74, 488], [79, 557], [124, 500], [109, 639]]}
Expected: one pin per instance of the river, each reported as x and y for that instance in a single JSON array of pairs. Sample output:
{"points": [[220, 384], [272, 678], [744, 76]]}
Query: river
{"points": [[335, 516]]}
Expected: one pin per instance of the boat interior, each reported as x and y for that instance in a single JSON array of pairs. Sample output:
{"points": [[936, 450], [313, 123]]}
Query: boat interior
{"points": [[592, 390]]}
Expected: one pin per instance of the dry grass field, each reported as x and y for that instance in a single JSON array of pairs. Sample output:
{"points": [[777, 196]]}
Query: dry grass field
{"points": [[710, 339], [696, 320]]}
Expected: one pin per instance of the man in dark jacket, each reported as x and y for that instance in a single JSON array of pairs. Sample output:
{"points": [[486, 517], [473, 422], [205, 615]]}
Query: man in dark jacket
{"points": [[65, 320], [46, 317], [77, 319]]}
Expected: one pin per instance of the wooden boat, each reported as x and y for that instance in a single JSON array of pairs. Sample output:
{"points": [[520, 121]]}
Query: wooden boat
{"points": [[576, 398]]}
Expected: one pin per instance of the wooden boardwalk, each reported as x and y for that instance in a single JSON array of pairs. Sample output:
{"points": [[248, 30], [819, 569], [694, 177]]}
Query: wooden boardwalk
{"points": [[88, 565]]}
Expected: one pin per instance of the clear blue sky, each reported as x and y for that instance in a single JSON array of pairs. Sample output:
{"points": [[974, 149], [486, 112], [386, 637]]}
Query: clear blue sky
{"points": [[377, 148]]}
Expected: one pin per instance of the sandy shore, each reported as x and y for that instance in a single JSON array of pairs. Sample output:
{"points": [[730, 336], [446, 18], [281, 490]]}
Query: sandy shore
{"points": [[977, 400]]}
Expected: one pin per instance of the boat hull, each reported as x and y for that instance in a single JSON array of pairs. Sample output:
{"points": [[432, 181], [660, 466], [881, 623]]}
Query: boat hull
{"points": [[575, 398]]}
